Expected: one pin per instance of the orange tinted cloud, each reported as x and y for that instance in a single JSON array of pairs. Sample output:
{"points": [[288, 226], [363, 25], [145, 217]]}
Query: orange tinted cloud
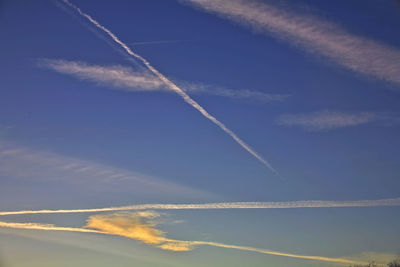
{"points": [[176, 246], [131, 225], [141, 226]]}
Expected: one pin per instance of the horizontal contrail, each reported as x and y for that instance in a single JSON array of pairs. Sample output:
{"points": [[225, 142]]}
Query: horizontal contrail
{"points": [[160, 42], [47, 227], [173, 86], [50, 227], [226, 205], [316, 35], [277, 253]]}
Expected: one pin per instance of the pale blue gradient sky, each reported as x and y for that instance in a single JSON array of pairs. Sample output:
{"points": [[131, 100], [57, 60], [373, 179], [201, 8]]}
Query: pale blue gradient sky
{"points": [[55, 119]]}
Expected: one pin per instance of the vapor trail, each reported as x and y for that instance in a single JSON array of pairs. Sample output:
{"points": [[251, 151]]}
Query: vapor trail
{"points": [[227, 205], [159, 42], [172, 86], [277, 253], [50, 227], [47, 227]]}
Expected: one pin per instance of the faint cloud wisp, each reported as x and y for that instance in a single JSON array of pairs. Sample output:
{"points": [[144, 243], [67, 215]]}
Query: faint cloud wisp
{"points": [[315, 35], [325, 120], [125, 78], [243, 94], [115, 76], [329, 120], [25, 164]]}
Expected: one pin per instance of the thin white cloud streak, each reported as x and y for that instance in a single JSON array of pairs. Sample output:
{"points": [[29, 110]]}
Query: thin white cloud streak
{"points": [[50, 227], [316, 35], [173, 86], [20, 162], [326, 120], [115, 76], [125, 78], [226, 205], [199, 88], [160, 42]]}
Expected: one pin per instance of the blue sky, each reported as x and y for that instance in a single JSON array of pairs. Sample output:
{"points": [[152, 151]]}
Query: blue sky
{"points": [[311, 89]]}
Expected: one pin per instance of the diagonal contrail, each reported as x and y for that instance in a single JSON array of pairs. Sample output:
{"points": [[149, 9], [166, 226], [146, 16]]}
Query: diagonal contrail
{"points": [[226, 205], [172, 86]]}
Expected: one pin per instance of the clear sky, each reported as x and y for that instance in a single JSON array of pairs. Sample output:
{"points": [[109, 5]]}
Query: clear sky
{"points": [[126, 102]]}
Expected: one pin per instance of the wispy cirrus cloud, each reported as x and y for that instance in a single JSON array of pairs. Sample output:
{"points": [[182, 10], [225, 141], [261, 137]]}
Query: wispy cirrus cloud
{"points": [[243, 94], [326, 120], [171, 85], [117, 76], [125, 78], [33, 165], [316, 35]]}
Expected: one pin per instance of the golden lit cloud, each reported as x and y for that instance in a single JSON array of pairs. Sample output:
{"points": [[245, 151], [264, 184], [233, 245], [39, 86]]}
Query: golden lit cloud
{"points": [[130, 225], [176, 246], [141, 226]]}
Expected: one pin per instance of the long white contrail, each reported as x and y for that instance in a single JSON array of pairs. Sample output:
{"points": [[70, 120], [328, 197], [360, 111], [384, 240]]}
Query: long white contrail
{"points": [[278, 253], [160, 42], [172, 86], [50, 227], [47, 227], [226, 205]]}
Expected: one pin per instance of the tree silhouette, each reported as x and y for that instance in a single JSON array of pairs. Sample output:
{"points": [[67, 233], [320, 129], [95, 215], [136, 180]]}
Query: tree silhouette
{"points": [[394, 263]]}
